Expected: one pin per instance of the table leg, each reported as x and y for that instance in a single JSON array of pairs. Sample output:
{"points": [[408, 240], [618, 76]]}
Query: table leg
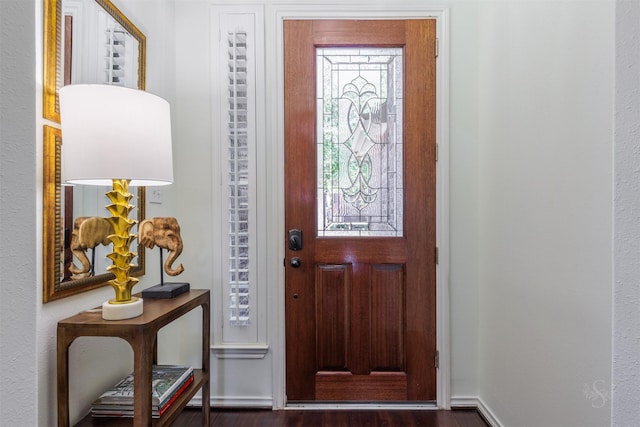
{"points": [[206, 363], [142, 372], [155, 350], [63, 344]]}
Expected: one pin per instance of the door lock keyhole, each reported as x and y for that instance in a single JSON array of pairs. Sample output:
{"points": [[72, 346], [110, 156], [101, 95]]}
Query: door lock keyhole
{"points": [[295, 239]]}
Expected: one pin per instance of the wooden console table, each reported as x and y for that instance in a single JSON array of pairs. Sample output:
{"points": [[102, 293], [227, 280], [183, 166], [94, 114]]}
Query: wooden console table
{"points": [[141, 333]]}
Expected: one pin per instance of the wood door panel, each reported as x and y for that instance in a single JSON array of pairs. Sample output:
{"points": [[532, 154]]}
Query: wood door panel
{"points": [[369, 251], [379, 386], [370, 32], [333, 302], [387, 317]]}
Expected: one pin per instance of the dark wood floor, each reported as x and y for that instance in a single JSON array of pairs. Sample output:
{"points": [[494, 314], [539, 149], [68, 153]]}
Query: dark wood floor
{"points": [[319, 418], [334, 418]]}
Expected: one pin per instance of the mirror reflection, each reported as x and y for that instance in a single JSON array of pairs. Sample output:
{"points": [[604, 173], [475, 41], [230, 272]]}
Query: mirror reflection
{"points": [[97, 48], [85, 236], [85, 41]]}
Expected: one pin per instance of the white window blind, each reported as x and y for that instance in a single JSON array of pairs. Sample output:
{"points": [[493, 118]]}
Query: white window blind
{"points": [[239, 180]]}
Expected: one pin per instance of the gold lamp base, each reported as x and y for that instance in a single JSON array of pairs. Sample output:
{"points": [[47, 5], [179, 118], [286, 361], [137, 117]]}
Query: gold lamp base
{"points": [[123, 304]]}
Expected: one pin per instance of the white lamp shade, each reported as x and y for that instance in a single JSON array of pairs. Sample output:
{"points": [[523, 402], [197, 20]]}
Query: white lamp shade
{"points": [[112, 132]]}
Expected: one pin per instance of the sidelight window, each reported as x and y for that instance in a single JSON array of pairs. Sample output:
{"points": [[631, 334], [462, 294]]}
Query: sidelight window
{"points": [[238, 151]]}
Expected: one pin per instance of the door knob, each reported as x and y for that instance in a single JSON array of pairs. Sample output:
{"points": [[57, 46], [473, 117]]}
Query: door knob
{"points": [[295, 239], [296, 262]]}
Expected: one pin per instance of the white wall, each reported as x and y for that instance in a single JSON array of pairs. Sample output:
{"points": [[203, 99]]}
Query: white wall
{"points": [[463, 210], [18, 325], [626, 316], [545, 122]]}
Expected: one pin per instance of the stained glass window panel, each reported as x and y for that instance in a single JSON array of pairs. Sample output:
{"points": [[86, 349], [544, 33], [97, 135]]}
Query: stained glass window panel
{"points": [[359, 141]]}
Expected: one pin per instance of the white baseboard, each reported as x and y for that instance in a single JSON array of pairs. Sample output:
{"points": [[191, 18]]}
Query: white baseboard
{"points": [[476, 402], [457, 402], [235, 402], [464, 402]]}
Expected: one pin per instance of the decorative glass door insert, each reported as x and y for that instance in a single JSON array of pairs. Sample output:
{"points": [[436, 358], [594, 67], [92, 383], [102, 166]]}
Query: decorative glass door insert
{"points": [[359, 141]]}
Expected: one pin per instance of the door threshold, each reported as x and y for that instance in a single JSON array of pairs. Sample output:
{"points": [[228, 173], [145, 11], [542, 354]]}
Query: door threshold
{"points": [[312, 405]]}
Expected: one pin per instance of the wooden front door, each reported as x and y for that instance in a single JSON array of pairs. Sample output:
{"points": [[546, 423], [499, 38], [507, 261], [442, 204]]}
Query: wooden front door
{"points": [[360, 153]]}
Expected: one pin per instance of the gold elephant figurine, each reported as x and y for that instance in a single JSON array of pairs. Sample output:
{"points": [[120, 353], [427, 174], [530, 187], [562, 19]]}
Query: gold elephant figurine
{"points": [[163, 232], [88, 232]]}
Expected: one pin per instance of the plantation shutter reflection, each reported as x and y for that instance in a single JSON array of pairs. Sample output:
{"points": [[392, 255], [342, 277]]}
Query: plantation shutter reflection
{"points": [[117, 60]]}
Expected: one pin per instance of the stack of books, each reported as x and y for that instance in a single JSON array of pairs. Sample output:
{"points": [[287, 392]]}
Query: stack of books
{"points": [[168, 382]]}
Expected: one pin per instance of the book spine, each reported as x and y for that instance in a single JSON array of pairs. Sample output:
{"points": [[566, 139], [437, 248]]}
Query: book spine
{"points": [[186, 385], [166, 395]]}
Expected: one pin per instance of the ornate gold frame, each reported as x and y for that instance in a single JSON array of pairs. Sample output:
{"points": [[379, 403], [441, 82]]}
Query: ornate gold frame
{"points": [[52, 61], [53, 287]]}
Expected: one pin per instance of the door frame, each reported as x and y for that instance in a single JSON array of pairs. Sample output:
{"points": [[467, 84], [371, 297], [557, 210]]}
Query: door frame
{"points": [[276, 274]]}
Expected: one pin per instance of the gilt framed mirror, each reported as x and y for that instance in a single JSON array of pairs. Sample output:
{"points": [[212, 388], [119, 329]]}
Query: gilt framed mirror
{"points": [[85, 41]]}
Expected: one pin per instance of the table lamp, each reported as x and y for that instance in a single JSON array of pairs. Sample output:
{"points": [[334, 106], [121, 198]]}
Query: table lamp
{"points": [[116, 136]]}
